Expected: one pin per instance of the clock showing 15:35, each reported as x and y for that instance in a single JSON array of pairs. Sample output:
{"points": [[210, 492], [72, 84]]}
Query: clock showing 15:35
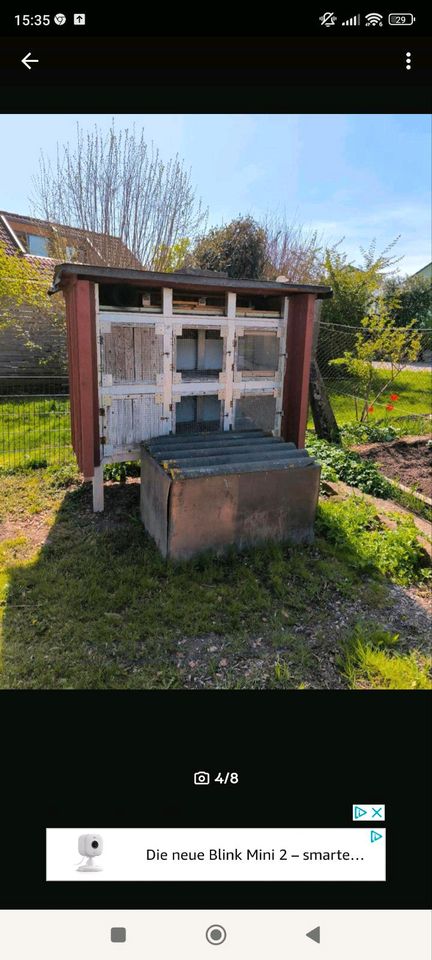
{"points": [[36, 19]]}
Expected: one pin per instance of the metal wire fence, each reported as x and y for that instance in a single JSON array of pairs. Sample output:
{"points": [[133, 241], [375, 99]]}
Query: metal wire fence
{"points": [[408, 396], [34, 421], [35, 412]]}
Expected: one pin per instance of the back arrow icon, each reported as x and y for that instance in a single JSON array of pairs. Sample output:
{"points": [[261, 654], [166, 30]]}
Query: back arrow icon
{"points": [[26, 61]]}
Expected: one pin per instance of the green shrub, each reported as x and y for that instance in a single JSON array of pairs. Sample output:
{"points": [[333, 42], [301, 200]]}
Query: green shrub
{"points": [[119, 471], [369, 433], [339, 464]]}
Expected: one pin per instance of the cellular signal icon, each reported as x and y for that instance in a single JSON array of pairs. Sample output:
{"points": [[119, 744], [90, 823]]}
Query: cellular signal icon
{"points": [[374, 19], [352, 22]]}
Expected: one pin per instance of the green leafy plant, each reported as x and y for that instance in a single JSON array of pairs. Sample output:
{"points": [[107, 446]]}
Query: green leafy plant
{"points": [[119, 471], [27, 310], [354, 287], [379, 340], [239, 248], [340, 464], [170, 258], [414, 301], [369, 433]]}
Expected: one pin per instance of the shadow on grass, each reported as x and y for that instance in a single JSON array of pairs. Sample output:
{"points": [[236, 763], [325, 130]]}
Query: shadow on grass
{"points": [[100, 608]]}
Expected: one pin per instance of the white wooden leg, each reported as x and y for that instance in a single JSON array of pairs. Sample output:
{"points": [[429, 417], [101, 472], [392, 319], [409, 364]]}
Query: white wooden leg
{"points": [[98, 490]]}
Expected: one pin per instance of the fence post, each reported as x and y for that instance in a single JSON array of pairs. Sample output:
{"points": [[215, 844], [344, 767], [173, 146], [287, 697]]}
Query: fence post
{"points": [[325, 424]]}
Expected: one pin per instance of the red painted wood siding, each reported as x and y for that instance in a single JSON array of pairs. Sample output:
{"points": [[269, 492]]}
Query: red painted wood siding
{"points": [[82, 360], [295, 400]]}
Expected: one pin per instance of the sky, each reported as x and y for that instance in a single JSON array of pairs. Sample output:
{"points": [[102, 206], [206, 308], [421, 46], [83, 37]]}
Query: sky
{"points": [[356, 177]]}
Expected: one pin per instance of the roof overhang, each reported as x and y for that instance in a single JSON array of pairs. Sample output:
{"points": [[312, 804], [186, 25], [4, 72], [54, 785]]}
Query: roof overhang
{"points": [[65, 272]]}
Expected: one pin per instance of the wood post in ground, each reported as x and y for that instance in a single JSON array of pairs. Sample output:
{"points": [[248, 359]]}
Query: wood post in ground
{"points": [[98, 490], [325, 424]]}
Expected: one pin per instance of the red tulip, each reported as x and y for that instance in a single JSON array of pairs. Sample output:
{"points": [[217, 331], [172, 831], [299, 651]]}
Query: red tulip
{"points": [[389, 406], [394, 396], [370, 409]]}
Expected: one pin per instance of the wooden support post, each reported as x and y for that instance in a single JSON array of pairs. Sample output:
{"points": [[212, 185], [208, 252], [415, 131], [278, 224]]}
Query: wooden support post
{"points": [[167, 309], [98, 489], [82, 347], [228, 421], [295, 399]]}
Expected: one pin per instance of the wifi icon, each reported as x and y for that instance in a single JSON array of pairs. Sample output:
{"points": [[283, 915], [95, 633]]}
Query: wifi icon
{"points": [[374, 19]]}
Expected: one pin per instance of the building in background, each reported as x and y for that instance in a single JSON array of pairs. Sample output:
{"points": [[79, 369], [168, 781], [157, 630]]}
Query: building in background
{"points": [[44, 244]]}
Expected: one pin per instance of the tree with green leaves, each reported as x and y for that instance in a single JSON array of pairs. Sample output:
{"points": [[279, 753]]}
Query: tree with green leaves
{"points": [[413, 301], [355, 287], [379, 340], [21, 284], [172, 258], [37, 320], [239, 248]]}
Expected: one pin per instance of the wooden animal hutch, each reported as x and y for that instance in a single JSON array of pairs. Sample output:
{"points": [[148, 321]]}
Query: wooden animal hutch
{"points": [[153, 355]]}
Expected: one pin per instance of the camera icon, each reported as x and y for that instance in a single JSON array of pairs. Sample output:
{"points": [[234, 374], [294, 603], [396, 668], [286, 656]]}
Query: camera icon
{"points": [[201, 778], [90, 845]]}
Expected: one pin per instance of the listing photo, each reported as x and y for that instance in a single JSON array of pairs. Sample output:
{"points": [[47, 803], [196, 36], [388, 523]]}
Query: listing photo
{"points": [[215, 402]]}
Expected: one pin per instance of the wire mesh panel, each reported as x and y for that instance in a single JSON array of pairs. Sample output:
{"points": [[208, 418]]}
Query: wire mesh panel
{"points": [[198, 414], [258, 354], [252, 413], [368, 378], [34, 421]]}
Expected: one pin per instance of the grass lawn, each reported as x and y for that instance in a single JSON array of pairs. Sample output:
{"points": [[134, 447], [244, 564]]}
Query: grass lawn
{"points": [[35, 430], [412, 386], [88, 602]]}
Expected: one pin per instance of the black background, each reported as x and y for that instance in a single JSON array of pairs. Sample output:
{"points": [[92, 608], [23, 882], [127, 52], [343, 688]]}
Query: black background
{"points": [[127, 759], [285, 74]]}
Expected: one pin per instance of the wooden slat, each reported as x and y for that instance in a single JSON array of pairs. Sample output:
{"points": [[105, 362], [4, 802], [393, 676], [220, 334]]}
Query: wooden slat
{"points": [[129, 365], [118, 370], [107, 353], [138, 354], [132, 354]]}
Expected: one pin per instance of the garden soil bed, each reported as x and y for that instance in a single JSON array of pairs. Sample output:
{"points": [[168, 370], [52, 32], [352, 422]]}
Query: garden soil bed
{"points": [[408, 460]]}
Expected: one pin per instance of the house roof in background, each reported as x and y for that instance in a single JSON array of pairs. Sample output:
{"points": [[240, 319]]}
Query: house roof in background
{"points": [[97, 249], [427, 270]]}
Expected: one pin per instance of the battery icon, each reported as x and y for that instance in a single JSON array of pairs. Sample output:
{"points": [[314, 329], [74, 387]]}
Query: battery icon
{"points": [[401, 19]]}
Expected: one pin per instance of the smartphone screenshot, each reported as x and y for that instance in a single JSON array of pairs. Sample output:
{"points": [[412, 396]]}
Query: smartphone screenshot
{"points": [[215, 485]]}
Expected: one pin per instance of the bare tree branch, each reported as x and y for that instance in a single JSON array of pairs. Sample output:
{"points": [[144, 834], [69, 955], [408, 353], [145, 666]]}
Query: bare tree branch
{"points": [[117, 184]]}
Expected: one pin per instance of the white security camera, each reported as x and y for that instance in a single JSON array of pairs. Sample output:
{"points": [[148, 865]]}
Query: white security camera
{"points": [[90, 845]]}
